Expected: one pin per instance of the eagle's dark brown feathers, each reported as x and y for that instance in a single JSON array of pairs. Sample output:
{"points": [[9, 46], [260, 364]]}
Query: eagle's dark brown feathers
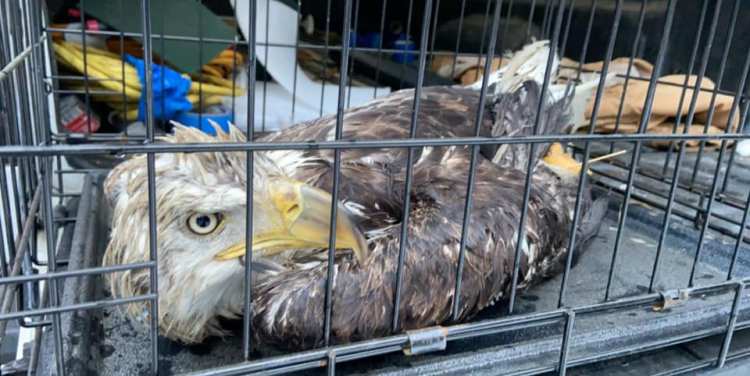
{"points": [[289, 308]]}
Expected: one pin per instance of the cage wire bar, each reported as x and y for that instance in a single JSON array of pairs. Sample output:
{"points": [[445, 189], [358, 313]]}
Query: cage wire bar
{"points": [[641, 129], [586, 151], [678, 161], [722, 150], [328, 304], [33, 152], [409, 164], [529, 166], [27, 50], [474, 154], [247, 295], [151, 172]]}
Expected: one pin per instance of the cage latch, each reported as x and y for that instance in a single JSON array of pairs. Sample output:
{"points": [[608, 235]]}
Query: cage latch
{"points": [[427, 340], [671, 299]]}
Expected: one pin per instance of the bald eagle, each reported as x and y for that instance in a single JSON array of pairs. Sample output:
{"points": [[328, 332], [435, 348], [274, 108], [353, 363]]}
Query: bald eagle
{"points": [[201, 197], [289, 307]]}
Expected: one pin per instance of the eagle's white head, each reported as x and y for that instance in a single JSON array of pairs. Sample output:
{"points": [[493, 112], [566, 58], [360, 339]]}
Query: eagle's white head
{"points": [[201, 226]]}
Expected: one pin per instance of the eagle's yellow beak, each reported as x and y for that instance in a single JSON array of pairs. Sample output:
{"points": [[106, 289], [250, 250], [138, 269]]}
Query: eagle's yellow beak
{"points": [[305, 213]]}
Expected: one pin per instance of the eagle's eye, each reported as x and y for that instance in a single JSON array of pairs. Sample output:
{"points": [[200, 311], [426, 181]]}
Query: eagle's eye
{"points": [[204, 224]]}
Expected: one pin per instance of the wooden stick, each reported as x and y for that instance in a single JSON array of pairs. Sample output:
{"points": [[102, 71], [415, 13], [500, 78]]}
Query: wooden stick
{"points": [[608, 156]]}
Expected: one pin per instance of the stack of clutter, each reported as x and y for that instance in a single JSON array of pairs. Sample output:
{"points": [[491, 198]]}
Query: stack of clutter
{"points": [[109, 72], [626, 102], [621, 106]]}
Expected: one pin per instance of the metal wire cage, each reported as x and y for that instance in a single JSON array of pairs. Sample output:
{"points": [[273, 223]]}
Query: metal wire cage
{"points": [[670, 269]]}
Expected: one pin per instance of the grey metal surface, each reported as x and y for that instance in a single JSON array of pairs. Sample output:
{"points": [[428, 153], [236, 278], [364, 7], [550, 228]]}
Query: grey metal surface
{"points": [[734, 369], [691, 200]]}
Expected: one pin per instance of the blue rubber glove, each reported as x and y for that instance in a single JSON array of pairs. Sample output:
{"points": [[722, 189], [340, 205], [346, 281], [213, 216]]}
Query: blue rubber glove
{"points": [[169, 87]]}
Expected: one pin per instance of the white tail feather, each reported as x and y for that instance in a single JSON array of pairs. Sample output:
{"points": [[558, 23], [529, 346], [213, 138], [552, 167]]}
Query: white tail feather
{"points": [[527, 64]]}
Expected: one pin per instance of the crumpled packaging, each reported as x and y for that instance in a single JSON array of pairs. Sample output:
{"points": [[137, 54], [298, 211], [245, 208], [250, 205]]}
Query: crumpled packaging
{"points": [[669, 128], [666, 98], [666, 105]]}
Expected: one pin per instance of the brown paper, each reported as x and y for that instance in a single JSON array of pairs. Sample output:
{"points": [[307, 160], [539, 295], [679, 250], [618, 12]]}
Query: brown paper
{"points": [[610, 104], [721, 114], [667, 97], [608, 124], [666, 128]]}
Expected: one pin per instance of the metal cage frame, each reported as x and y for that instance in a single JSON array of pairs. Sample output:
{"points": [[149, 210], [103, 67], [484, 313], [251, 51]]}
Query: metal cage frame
{"points": [[32, 152]]}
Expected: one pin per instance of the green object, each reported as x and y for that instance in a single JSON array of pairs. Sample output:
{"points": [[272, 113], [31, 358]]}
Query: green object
{"points": [[173, 18]]}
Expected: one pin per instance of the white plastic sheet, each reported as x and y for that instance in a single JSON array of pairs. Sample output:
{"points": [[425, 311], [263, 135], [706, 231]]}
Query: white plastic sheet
{"points": [[280, 62]]}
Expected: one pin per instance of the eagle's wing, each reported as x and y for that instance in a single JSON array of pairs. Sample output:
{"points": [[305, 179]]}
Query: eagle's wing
{"points": [[514, 94], [290, 307], [515, 115], [445, 112], [367, 174]]}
